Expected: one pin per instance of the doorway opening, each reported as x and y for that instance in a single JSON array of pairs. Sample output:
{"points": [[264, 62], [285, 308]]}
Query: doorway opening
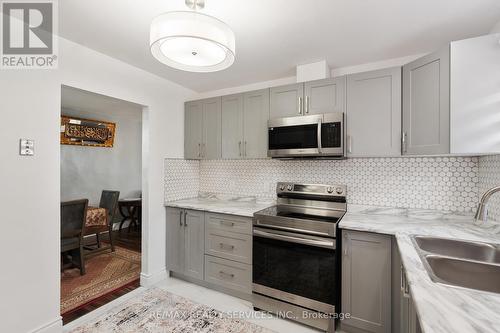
{"points": [[101, 200]]}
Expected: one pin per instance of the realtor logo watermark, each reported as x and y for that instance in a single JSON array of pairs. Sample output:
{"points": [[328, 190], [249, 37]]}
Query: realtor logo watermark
{"points": [[28, 34]]}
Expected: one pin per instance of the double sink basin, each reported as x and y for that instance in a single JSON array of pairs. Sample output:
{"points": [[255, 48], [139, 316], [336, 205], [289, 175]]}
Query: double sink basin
{"points": [[467, 264]]}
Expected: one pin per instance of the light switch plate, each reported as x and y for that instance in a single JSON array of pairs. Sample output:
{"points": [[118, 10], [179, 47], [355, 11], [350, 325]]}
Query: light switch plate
{"points": [[26, 147]]}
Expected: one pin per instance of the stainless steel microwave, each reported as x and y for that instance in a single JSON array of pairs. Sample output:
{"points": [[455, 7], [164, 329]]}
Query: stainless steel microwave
{"points": [[320, 135]]}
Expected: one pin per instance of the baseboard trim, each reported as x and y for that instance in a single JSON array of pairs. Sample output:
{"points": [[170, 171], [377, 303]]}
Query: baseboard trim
{"points": [[54, 326], [148, 280]]}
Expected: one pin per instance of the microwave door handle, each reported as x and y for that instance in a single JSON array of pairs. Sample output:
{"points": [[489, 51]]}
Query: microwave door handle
{"points": [[319, 136]]}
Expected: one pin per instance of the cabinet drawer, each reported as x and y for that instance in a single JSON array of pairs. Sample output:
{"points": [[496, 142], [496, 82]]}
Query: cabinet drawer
{"points": [[229, 245], [228, 274], [229, 223]]}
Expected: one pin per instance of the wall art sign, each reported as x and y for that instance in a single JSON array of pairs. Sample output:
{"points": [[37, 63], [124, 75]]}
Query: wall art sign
{"points": [[87, 132]]}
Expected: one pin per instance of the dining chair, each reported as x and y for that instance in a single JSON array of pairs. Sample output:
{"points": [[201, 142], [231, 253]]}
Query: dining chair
{"points": [[109, 201], [73, 215]]}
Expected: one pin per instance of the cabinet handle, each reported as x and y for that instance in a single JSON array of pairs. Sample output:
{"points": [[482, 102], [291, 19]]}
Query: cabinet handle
{"points": [[199, 149], [300, 105], [403, 142], [307, 104], [230, 247], [180, 218], [226, 274], [229, 224], [239, 144], [349, 144], [185, 221]]}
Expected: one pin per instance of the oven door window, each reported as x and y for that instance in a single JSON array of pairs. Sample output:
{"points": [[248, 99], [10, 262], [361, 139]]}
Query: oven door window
{"points": [[298, 269], [331, 135], [293, 137]]}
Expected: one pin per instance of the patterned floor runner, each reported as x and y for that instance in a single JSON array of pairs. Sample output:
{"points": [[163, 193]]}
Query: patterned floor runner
{"points": [[156, 311]]}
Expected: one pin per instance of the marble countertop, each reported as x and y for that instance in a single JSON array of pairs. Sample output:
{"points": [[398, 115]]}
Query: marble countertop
{"points": [[441, 308], [224, 204]]}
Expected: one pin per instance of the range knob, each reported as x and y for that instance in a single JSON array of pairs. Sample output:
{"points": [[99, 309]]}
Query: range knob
{"points": [[339, 190], [282, 187], [329, 189], [289, 187]]}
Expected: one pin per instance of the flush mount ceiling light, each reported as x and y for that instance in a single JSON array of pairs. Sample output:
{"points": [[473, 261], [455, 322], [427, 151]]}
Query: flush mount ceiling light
{"points": [[192, 41]]}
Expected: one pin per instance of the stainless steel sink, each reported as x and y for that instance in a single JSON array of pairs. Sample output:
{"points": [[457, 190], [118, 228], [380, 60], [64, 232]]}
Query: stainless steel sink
{"points": [[467, 264], [464, 273], [478, 251]]}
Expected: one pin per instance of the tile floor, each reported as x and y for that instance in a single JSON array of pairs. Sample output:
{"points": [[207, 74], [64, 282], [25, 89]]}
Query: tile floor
{"points": [[217, 300]]}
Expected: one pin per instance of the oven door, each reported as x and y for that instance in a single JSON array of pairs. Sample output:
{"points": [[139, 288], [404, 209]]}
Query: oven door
{"points": [[295, 268], [294, 136]]}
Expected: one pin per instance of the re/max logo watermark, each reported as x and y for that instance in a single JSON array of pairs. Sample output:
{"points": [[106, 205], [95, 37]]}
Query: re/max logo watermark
{"points": [[28, 34]]}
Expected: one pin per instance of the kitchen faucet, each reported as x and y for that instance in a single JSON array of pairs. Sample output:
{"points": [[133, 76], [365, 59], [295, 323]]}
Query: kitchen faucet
{"points": [[482, 211]]}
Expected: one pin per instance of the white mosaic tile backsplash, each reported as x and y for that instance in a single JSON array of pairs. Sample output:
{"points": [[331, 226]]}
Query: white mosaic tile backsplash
{"points": [[443, 183], [182, 179], [489, 176]]}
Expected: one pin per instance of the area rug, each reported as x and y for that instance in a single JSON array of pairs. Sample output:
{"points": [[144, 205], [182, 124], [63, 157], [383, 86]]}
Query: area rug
{"points": [[106, 272], [156, 311]]}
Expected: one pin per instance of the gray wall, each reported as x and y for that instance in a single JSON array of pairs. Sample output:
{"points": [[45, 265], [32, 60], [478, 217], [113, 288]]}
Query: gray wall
{"points": [[86, 171]]}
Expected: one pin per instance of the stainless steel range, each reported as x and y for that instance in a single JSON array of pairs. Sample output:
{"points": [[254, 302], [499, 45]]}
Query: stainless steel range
{"points": [[295, 262]]}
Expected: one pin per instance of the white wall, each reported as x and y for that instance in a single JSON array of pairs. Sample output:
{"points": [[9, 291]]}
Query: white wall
{"points": [[30, 108], [86, 171]]}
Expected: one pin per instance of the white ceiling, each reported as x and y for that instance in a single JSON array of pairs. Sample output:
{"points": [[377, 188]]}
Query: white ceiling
{"points": [[273, 36]]}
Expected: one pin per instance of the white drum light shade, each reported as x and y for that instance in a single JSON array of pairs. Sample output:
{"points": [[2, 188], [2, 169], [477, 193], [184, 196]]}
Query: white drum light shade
{"points": [[192, 41]]}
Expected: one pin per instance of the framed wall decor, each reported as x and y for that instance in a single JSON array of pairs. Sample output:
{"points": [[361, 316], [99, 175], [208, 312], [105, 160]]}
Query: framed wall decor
{"points": [[87, 132]]}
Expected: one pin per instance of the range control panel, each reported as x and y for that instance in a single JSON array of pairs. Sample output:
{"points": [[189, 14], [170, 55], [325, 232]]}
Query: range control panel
{"points": [[313, 189]]}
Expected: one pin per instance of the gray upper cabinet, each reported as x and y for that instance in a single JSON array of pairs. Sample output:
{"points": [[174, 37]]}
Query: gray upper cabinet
{"points": [[244, 125], [232, 126], [324, 96], [287, 101], [366, 282], [193, 129], [255, 117], [426, 105], [202, 126], [373, 114], [185, 242], [212, 140], [315, 97]]}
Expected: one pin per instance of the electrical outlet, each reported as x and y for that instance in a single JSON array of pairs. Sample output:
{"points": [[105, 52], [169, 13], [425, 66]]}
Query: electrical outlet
{"points": [[26, 147]]}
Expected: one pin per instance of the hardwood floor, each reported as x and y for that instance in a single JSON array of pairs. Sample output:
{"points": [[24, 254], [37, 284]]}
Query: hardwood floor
{"points": [[129, 240]]}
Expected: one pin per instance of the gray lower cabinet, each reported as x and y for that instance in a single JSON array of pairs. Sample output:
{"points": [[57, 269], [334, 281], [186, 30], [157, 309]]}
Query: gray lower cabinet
{"points": [[426, 104], [373, 117], [214, 249], [228, 274], [185, 242], [409, 322], [202, 126], [175, 240], [366, 282], [244, 125]]}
